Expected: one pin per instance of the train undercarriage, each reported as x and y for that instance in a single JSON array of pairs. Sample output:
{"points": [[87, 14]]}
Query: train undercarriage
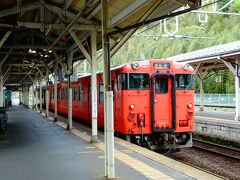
{"points": [[161, 141]]}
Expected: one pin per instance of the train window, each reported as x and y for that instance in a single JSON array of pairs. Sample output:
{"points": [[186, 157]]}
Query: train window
{"points": [[184, 81], [52, 94], [138, 81], [101, 93], [80, 90], [122, 81], [75, 93], [64, 93], [61, 93], [161, 85], [89, 93]]}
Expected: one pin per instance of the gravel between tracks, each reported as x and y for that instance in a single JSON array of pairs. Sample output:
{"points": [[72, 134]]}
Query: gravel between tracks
{"points": [[228, 168]]}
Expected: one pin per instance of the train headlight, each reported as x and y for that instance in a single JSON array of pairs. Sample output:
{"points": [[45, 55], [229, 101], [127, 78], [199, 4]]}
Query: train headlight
{"points": [[135, 66], [131, 106], [190, 106], [186, 67]]}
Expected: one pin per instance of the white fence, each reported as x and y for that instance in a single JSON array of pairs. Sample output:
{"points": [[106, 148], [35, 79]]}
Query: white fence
{"points": [[216, 99]]}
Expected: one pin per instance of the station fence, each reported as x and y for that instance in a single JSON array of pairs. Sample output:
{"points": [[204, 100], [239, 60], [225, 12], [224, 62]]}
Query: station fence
{"points": [[216, 99]]}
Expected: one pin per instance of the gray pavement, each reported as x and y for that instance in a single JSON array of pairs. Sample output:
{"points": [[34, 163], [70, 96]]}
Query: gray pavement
{"points": [[36, 149], [216, 114]]}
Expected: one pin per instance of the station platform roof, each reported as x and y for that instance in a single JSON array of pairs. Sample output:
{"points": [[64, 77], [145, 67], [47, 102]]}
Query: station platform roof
{"points": [[218, 57], [36, 32]]}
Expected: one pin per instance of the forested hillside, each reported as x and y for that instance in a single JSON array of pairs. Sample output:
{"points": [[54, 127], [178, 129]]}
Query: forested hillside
{"points": [[194, 35]]}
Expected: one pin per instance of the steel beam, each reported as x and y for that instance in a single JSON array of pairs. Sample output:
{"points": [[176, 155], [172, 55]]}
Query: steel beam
{"points": [[35, 25], [128, 11], [42, 14], [16, 9], [5, 57], [26, 46], [25, 76], [77, 65], [76, 17], [6, 78], [59, 11], [7, 72], [81, 47], [230, 66], [66, 6], [42, 76], [5, 38], [94, 12], [28, 65]]}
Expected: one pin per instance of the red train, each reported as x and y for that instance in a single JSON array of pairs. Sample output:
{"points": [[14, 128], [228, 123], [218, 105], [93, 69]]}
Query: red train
{"points": [[153, 102]]}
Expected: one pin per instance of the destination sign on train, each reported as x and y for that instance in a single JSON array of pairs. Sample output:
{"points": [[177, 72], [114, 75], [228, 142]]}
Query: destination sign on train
{"points": [[161, 65]]}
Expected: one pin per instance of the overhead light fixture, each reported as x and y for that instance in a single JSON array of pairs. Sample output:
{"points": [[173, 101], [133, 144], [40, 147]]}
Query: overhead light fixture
{"points": [[46, 55], [44, 49], [50, 51], [32, 51]]}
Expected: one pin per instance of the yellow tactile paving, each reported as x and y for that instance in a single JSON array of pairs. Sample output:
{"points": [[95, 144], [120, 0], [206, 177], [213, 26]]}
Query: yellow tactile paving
{"points": [[180, 167], [137, 165]]}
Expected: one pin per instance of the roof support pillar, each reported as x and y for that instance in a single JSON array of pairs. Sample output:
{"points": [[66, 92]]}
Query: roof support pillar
{"points": [[235, 70], [20, 96], [1, 88], [47, 93], [237, 90], [26, 96], [94, 137], [40, 93], [202, 75], [108, 98], [33, 96], [69, 72], [55, 90], [37, 96]]}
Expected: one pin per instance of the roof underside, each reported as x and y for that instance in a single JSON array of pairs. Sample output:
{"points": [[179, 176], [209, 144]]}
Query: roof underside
{"points": [[44, 25], [212, 58]]}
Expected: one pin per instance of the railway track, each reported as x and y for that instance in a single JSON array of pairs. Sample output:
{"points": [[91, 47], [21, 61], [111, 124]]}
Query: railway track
{"points": [[217, 149]]}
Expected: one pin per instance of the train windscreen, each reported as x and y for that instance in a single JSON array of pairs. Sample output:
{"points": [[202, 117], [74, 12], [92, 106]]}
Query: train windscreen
{"points": [[184, 81], [139, 81]]}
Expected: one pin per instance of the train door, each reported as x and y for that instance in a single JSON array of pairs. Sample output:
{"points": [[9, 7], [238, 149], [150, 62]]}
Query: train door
{"points": [[163, 102]]}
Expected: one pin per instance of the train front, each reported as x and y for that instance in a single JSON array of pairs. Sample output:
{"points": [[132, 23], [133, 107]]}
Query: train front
{"points": [[161, 104]]}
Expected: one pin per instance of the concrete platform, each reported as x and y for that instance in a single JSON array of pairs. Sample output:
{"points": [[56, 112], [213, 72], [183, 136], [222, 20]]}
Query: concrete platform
{"points": [[36, 148], [218, 125]]}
